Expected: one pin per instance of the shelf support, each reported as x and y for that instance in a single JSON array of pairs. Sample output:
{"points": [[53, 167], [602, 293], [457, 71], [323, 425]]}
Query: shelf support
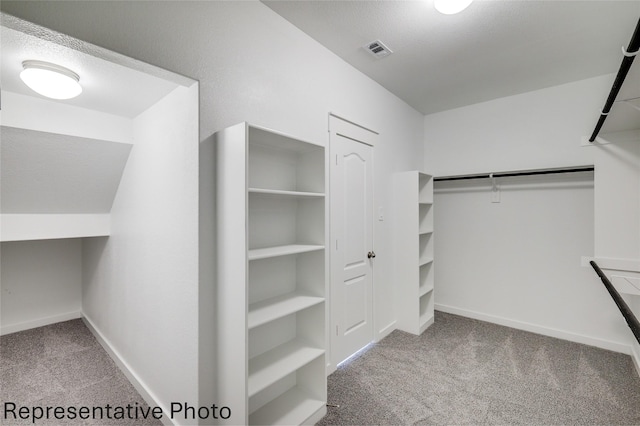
{"points": [[629, 55], [626, 312]]}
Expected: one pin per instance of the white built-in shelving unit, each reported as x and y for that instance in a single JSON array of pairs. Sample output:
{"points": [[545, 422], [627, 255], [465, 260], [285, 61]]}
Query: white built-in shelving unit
{"points": [[413, 231], [271, 276]]}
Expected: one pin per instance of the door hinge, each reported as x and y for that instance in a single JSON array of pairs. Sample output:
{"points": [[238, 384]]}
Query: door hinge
{"points": [[336, 159], [337, 331]]}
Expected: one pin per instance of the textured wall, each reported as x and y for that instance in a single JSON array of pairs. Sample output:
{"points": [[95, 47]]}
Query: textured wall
{"points": [[140, 285], [540, 129], [41, 282]]}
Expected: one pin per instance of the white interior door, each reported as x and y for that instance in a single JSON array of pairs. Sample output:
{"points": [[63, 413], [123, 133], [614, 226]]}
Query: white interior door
{"points": [[352, 251]]}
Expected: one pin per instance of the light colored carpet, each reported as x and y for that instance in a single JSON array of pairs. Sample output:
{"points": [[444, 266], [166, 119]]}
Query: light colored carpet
{"points": [[463, 371], [62, 365]]}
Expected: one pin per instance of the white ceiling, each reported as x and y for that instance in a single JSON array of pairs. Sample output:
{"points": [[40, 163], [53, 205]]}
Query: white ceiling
{"points": [[491, 50], [107, 86], [42, 172]]}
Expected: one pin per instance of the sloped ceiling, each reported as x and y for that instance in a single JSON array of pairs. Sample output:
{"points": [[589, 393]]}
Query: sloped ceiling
{"points": [[46, 173]]}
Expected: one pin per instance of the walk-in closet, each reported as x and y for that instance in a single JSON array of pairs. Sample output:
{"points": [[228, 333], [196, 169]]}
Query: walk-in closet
{"points": [[322, 212]]}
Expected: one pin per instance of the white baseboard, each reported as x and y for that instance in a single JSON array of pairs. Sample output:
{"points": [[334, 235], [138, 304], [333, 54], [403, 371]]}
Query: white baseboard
{"points": [[545, 331], [14, 328], [135, 380], [635, 356]]}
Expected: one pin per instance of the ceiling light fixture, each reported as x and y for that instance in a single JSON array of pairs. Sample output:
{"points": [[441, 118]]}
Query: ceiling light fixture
{"points": [[450, 7], [50, 80]]}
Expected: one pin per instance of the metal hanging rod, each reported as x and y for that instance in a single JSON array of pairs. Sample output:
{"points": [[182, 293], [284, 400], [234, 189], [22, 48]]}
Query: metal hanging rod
{"points": [[626, 312], [516, 173], [629, 56]]}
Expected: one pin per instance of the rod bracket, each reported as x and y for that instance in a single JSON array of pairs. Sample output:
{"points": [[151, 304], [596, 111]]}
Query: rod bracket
{"points": [[495, 189], [628, 54]]}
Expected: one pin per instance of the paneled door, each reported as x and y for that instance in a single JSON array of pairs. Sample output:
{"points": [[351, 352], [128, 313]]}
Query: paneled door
{"points": [[352, 251]]}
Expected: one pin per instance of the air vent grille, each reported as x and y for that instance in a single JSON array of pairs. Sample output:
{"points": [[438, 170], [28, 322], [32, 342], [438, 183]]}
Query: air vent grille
{"points": [[378, 49]]}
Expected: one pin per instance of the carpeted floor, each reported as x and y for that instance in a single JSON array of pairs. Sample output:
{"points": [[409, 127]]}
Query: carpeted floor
{"points": [[62, 365], [463, 371], [460, 371]]}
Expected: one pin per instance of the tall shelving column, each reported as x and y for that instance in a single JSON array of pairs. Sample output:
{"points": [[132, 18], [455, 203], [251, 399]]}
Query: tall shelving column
{"points": [[271, 277], [413, 232]]}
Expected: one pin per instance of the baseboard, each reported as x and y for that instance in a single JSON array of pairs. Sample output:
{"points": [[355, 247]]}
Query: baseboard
{"points": [[135, 380], [533, 328], [14, 328], [635, 356], [386, 330]]}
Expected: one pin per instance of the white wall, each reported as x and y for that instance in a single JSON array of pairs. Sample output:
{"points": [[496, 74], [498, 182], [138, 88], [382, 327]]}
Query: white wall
{"points": [[140, 286], [617, 221], [40, 280], [518, 262], [541, 129], [41, 283]]}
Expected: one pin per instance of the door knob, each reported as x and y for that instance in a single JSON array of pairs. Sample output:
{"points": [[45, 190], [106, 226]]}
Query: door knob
{"points": [[371, 254]]}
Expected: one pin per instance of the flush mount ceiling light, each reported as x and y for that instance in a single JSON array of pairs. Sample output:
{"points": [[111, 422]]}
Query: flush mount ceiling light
{"points": [[450, 7], [51, 80]]}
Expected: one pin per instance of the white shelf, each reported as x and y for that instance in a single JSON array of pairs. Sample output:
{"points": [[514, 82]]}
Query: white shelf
{"points": [[293, 407], [425, 303], [425, 322], [25, 227], [277, 307], [279, 140], [424, 260], [287, 194], [267, 252], [414, 257], [426, 290], [269, 367], [271, 201], [425, 318]]}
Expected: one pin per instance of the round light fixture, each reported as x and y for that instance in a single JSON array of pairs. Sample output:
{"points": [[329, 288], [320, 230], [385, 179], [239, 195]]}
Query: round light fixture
{"points": [[50, 80], [450, 7]]}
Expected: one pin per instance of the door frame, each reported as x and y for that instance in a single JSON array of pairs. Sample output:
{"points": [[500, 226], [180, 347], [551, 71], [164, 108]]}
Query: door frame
{"points": [[361, 134]]}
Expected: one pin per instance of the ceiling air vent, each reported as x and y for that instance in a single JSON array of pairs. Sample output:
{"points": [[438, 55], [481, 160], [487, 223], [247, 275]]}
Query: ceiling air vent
{"points": [[378, 49]]}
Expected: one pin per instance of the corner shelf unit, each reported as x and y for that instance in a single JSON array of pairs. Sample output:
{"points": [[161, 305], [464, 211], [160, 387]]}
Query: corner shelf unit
{"points": [[413, 231], [271, 276]]}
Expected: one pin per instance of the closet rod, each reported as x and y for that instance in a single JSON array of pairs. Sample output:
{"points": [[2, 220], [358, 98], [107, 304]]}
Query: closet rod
{"points": [[629, 56], [511, 174], [631, 319]]}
